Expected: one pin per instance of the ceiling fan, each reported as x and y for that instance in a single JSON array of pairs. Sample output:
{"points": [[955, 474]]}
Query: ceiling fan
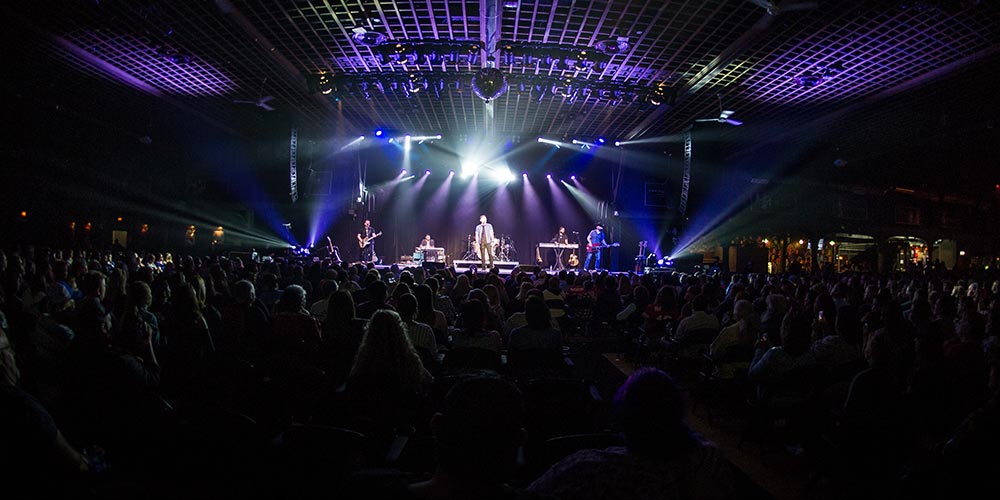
{"points": [[774, 7], [724, 116], [261, 102]]}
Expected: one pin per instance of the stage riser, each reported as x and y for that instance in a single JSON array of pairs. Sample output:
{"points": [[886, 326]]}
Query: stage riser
{"points": [[505, 267]]}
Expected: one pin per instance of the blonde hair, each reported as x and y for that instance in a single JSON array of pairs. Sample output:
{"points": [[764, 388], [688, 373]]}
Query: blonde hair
{"points": [[386, 356]]}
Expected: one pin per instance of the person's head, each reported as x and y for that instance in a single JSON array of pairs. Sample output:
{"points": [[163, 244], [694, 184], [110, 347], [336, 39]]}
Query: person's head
{"points": [[140, 295], [649, 411], [386, 354], [482, 219], [665, 297], [200, 291], [742, 309], [699, 303], [796, 332], [523, 289], [368, 223], [185, 301], [58, 299], [777, 304], [93, 284], [492, 295], [537, 314], [243, 292], [599, 227], [562, 229], [328, 287], [378, 291], [292, 300], [473, 315], [479, 430], [406, 306], [879, 349], [340, 309], [427, 237]]}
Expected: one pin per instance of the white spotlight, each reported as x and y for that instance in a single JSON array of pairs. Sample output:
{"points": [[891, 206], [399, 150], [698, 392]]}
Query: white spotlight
{"points": [[548, 141], [503, 175], [469, 169]]}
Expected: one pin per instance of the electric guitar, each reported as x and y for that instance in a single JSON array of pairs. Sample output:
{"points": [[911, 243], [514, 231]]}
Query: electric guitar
{"points": [[364, 241], [591, 248]]}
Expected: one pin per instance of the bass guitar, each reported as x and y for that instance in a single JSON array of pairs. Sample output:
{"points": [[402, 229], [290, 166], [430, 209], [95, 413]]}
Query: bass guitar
{"points": [[596, 248], [364, 241]]}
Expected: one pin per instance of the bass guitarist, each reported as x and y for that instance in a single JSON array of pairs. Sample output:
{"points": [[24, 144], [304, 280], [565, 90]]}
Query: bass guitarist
{"points": [[595, 242], [366, 241]]}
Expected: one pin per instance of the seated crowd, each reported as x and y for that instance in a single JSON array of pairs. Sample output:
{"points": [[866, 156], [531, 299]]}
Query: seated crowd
{"points": [[122, 373]]}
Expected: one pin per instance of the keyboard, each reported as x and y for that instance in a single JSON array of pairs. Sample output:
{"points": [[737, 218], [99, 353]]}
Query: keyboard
{"points": [[558, 245], [431, 249]]}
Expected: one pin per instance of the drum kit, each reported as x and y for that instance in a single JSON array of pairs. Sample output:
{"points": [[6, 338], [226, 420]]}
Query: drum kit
{"points": [[503, 249]]}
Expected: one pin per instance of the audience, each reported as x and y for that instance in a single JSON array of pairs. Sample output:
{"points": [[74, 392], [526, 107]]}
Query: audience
{"points": [[388, 382], [538, 333], [477, 435], [91, 346], [662, 457]]}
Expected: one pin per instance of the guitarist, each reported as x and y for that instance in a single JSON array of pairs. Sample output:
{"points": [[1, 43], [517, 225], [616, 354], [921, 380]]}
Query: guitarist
{"points": [[366, 241], [595, 242]]}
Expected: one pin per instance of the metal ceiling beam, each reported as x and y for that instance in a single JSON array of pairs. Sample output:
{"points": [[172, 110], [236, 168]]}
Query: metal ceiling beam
{"points": [[725, 58], [489, 12], [293, 75], [828, 119]]}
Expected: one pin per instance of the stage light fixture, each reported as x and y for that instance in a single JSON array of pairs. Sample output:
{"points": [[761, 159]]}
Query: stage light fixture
{"points": [[572, 177], [548, 176], [489, 84], [618, 143], [524, 175], [361, 36], [809, 80], [612, 46], [503, 175], [407, 143], [600, 140], [469, 169], [379, 133], [427, 172], [402, 172]]}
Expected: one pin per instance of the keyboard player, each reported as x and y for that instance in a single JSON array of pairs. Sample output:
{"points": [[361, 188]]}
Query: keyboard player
{"points": [[558, 260], [561, 236], [429, 252]]}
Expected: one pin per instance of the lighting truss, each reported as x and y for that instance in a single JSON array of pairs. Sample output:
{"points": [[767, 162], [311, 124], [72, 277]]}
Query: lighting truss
{"points": [[293, 173], [410, 84]]}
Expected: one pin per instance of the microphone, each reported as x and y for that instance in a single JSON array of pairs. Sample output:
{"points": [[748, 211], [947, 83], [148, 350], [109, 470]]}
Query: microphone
{"points": [[576, 232]]}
